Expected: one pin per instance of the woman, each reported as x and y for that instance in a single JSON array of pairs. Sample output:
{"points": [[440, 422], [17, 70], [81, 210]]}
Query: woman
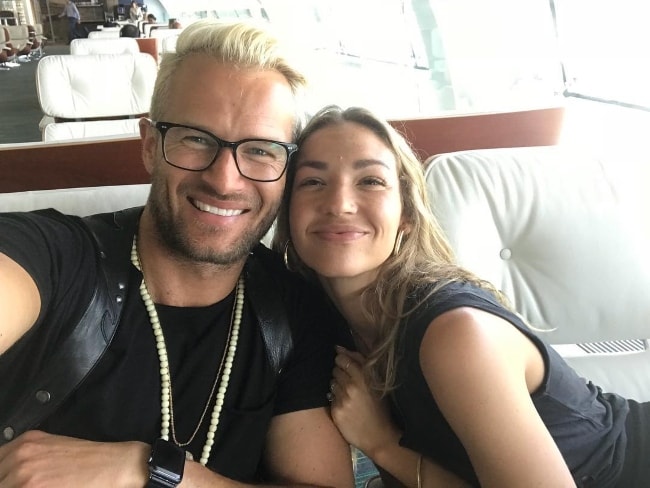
{"points": [[448, 387]]}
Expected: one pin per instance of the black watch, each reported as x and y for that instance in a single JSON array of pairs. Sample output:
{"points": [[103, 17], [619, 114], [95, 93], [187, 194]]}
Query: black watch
{"points": [[166, 465]]}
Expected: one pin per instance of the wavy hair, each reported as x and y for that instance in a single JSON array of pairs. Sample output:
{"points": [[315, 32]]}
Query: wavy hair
{"points": [[241, 44], [424, 262]]}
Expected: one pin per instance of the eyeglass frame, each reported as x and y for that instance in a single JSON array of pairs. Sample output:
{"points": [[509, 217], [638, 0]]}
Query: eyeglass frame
{"points": [[163, 127]]}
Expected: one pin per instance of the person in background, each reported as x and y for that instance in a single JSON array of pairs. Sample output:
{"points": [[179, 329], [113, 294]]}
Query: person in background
{"points": [[441, 383], [151, 19], [175, 24], [71, 12], [167, 346], [135, 12]]}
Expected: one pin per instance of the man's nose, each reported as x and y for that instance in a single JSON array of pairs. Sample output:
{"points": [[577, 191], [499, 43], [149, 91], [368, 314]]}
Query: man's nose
{"points": [[224, 172]]}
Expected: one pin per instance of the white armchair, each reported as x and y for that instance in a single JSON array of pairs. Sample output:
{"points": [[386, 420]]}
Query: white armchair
{"points": [[97, 93]]}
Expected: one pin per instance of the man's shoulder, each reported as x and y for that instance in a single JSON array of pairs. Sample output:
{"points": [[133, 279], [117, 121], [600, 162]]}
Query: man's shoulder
{"points": [[267, 270], [267, 266], [47, 218]]}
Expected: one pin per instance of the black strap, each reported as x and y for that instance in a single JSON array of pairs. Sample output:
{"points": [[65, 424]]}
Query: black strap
{"points": [[270, 310], [83, 347]]}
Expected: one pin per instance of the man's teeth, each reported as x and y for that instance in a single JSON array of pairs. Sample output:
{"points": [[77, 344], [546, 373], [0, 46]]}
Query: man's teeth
{"points": [[218, 211]]}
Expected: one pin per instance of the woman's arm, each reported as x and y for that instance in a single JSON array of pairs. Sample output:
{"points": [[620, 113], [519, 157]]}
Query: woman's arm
{"points": [[364, 421], [481, 370]]}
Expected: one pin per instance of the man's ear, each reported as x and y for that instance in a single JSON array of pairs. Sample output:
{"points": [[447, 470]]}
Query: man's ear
{"points": [[148, 134]]}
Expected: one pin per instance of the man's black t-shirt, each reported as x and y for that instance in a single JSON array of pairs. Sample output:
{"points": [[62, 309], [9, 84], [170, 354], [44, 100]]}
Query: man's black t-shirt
{"points": [[120, 398]]}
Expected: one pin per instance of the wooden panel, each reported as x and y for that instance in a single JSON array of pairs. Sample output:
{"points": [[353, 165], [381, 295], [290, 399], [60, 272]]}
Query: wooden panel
{"points": [[42, 166], [437, 135]]}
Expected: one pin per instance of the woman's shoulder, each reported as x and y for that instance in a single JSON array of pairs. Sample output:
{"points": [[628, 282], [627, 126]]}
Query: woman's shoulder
{"points": [[436, 298], [429, 302]]}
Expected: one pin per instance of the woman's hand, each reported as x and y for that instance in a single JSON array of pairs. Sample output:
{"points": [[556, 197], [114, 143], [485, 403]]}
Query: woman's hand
{"points": [[361, 416]]}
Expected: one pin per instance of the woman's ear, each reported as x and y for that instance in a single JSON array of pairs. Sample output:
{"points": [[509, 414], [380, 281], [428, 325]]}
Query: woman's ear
{"points": [[405, 226]]}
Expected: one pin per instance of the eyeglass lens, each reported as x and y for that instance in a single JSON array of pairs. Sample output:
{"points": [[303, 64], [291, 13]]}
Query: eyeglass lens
{"points": [[195, 150]]}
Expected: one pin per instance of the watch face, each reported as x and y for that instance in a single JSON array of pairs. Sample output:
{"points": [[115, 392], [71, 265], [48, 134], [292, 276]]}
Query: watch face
{"points": [[166, 464]]}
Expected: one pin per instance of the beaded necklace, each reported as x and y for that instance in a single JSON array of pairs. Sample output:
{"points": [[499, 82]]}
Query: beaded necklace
{"points": [[225, 367]]}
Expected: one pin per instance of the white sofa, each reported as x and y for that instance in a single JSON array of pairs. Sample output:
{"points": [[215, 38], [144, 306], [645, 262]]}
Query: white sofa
{"points": [[566, 236]]}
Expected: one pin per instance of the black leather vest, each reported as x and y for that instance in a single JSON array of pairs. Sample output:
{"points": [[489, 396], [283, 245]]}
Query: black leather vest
{"points": [[90, 338]]}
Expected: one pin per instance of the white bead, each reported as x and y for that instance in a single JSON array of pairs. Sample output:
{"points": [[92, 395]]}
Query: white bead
{"points": [[165, 378]]}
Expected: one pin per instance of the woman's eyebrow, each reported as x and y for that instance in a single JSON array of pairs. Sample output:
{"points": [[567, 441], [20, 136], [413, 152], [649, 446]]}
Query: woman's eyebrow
{"points": [[358, 164], [311, 163], [364, 163]]}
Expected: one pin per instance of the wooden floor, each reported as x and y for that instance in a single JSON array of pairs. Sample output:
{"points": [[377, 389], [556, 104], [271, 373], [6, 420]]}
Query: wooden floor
{"points": [[20, 111]]}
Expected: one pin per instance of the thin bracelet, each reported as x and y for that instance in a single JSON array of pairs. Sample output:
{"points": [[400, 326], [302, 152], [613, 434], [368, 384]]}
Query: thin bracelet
{"points": [[419, 471]]}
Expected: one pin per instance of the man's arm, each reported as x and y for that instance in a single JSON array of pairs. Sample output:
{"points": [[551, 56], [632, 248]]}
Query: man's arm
{"points": [[303, 448], [20, 302]]}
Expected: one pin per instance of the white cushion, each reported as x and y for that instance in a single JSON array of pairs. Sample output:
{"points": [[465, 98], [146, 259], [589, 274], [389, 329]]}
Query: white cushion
{"points": [[565, 236], [121, 45], [77, 201], [104, 34], [162, 32], [100, 85], [66, 131], [18, 35], [147, 28], [168, 44]]}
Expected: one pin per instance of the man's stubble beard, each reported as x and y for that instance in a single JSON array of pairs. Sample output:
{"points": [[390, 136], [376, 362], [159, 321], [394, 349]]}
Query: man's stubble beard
{"points": [[173, 235]]}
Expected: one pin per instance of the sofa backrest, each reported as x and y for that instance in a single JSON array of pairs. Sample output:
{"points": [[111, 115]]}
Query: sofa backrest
{"points": [[92, 86], [565, 236], [77, 201], [120, 45]]}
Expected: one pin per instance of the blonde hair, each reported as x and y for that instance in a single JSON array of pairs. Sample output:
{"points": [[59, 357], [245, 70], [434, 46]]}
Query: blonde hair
{"points": [[241, 44], [425, 260]]}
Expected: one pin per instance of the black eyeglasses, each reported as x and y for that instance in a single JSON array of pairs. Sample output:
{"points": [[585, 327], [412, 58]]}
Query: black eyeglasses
{"points": [[193, 149]]}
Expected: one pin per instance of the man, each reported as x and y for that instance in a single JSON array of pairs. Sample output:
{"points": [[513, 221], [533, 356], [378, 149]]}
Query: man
{"points": [[191, 366], [71, 11], [135, 12]]}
